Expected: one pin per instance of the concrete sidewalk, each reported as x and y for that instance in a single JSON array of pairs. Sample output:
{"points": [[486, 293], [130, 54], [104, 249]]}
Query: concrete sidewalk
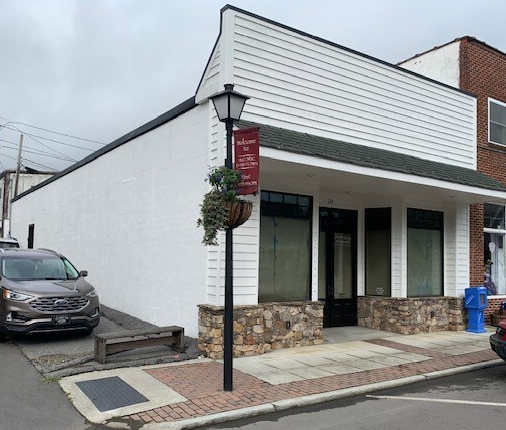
{"points": [[190, 394]]}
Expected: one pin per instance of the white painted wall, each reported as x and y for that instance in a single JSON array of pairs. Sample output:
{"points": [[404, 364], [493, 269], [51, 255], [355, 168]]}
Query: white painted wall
{"points": [[129, 217], [307, 85], [440, 64]]}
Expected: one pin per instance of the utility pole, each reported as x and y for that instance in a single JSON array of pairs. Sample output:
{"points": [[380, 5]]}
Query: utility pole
{"points": [[19, 164]]}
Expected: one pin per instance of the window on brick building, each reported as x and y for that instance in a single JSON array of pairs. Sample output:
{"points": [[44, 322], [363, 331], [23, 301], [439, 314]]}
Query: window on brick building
{"points": [[497, 122], [494, 245]]}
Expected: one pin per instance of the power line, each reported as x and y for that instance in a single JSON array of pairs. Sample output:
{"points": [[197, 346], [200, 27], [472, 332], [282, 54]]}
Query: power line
{"points": [[40, 143], [47, 138], [33, 162], [30, 161], [52, 131], [38, 164], [35, 151]]}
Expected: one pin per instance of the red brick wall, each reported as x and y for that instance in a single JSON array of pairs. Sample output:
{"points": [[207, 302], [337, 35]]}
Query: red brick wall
{"points": [[483, 73], [493, 306], [476, 252]]}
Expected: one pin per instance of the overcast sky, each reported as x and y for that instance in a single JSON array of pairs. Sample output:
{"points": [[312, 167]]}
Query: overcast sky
{"points": [[97, 69]]}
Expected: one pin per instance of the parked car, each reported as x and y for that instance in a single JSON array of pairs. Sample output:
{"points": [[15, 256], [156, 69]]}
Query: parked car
{"points": [[498, 340], [8, 242], [41, 291]]}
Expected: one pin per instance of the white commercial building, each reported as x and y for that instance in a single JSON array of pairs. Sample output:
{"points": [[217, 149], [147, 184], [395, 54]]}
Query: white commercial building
{"points": [[367, 172]]}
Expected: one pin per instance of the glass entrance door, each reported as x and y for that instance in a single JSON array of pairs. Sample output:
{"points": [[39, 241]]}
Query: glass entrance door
{"points": [[337, 283]]}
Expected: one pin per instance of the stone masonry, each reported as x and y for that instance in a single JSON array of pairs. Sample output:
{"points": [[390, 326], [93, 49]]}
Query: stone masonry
{"points": [[412, 315], [261, 328]]}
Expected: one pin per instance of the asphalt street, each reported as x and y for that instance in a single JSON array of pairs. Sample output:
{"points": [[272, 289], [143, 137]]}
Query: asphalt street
{"points": [[473, 400], [31, 402]]}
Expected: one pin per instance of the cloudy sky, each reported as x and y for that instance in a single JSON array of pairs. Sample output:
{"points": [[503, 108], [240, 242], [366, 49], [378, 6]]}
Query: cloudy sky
{"points": [[97, 69]]}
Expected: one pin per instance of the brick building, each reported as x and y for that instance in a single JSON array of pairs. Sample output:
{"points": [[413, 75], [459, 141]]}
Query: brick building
{"points": [[473, 66]]}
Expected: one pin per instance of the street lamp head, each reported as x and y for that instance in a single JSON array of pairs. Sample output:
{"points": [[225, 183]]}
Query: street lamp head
{"points": [[229, 104]]}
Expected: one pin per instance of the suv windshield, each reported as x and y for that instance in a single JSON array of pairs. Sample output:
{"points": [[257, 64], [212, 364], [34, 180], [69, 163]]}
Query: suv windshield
{"points": [[37, 268]]}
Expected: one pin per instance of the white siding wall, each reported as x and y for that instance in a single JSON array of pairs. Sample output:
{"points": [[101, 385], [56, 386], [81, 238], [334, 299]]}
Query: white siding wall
{"points": [[440, 64], [303, 84], [462, 250], [246, 237], [307, 85], [450, 251], [129, 217], [399, 271]]}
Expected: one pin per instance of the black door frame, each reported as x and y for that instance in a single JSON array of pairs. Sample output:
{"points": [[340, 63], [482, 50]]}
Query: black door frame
{"points": [[339, 312]]}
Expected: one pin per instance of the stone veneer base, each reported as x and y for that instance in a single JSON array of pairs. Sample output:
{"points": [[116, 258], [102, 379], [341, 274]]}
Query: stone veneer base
{"points": [[412, 315], [261, 328]]}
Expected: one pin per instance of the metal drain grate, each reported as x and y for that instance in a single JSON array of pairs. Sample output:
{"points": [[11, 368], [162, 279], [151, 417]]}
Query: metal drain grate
{"points": [[110, 393]]}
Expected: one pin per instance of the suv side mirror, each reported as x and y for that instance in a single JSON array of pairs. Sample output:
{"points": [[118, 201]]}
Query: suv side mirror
{"points": [[83, 273]]}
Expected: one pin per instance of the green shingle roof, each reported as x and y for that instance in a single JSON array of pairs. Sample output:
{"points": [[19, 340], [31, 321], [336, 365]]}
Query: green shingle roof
{"points": [[359, 155]]}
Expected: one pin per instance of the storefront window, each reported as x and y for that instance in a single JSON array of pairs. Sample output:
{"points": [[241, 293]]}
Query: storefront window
{"points": [[425, 253], [378, 237], [494, 216], [495, 258], [285, 247]]}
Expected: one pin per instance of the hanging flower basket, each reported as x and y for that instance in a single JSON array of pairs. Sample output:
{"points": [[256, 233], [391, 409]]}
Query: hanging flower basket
{"points": [[238, 212], [222, 208]]}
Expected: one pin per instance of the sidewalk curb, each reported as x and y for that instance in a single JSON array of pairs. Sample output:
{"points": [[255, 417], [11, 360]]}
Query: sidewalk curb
{"points": [[283, 405], [462, 369]]}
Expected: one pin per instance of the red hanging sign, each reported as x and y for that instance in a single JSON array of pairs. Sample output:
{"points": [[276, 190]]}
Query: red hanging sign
{"points": [[246, 157]]}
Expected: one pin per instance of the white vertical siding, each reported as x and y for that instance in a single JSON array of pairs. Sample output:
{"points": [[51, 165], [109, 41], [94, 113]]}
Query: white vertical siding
{"points": [[129, 217]]}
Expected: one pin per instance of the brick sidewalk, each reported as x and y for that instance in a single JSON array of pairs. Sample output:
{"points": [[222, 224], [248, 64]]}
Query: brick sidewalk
{"points": [[202, 383]]}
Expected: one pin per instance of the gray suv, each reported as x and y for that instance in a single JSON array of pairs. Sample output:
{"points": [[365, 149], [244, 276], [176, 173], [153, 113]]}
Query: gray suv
{"points": [[41, 291]]}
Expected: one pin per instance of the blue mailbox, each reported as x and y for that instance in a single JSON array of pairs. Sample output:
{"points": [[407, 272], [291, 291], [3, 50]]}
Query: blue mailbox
{"points": [[476, 303]]}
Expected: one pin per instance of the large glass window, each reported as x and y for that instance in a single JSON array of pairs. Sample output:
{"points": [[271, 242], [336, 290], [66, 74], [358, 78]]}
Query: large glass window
{"points": [[497, 125], [494, 216], [495, 255], [378, 238], [285, 247], [425, 253]]}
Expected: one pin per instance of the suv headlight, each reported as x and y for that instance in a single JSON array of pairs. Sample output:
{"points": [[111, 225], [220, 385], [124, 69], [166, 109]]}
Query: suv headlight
{"points": [[13, 295], [92, 294]]}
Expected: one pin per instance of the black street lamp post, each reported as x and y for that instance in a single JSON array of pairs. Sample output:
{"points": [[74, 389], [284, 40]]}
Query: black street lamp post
{"points": [[229, 105]]}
